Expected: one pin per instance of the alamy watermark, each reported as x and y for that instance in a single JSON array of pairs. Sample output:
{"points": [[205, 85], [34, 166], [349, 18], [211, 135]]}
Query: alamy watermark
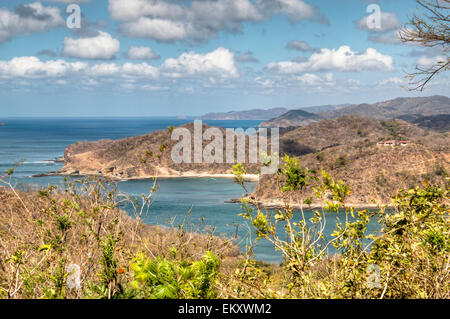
{"points": [[74, 277], [74, 19], [237, 146], [373, 21], [373, 276]]}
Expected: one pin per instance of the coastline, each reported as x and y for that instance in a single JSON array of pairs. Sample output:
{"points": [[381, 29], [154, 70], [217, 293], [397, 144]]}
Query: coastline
{"points": [[280, 205], [266, 204], [247, 177]]}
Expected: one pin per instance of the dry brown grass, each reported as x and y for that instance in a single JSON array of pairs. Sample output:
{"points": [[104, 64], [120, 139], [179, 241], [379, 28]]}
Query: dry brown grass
{"points": [[43, 232]]}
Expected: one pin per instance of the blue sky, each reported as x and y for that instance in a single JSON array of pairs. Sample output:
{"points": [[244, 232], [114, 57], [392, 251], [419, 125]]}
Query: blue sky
{"points": [[159, 57]]}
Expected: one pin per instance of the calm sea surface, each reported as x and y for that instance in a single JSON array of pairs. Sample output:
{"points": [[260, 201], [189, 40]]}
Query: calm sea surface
{"points": [[37, 142]]}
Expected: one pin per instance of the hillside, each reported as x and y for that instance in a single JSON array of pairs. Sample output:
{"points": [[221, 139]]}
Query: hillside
{"points": [[348, 149], [84, 227], [424, 106], [255, 114], [292, 118], [397, 108], [143, 156], [440, 123], [323, 108]]}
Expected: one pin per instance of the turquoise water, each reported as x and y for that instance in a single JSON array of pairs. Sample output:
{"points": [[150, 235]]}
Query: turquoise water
{"points": [[38, 141]]}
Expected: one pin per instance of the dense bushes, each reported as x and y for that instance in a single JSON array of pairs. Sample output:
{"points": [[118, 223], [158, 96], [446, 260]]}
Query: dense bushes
{"points": [[165, 279], [408, 258], [49, 235]]}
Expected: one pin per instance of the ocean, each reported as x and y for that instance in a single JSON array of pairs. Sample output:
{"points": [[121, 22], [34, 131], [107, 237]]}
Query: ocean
{"points": [[37, 142]]}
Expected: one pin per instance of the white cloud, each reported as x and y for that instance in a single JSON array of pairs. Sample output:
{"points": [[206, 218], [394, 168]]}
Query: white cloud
{"points": [[220, 63], [342, 59], [389, 31], [164, 20], [306, 83], [230, 11], [310, 79], [126, 70], [387, 38], [104, 69], [265, 83], [295, 10], [425, 62], [154, 88], [157, 29], [389, 22], [28, 18], [32, 67], [129, 10], [392, 81], [140, 70], [141, 53], [102, 46], [167, 22]]}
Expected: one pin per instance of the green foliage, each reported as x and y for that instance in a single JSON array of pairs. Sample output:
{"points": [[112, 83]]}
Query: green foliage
{"points": [[361, 133], [63, 222], [239, 172], [320, 156], [393, 128], [340, 161], [172, 279], [16, 258], [58, 279], [411, 249], [295, 177], [339, 190], [381, 179], [416, 245], [440, 171]]}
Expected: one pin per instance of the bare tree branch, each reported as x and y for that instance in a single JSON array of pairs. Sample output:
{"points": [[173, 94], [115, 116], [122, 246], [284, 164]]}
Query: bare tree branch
{"points": [[431, 29]]}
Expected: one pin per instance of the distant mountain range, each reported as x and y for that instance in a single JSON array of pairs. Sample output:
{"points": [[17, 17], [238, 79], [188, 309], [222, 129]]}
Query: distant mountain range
{"points": [[429, 112], [323, 108], [261, 114], [425, 106], [440, 122], [255, 114]]}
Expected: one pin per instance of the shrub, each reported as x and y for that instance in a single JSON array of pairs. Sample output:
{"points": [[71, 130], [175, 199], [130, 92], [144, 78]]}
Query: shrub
{"points": [[172, 279], [407, 258], [340, 161]]}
